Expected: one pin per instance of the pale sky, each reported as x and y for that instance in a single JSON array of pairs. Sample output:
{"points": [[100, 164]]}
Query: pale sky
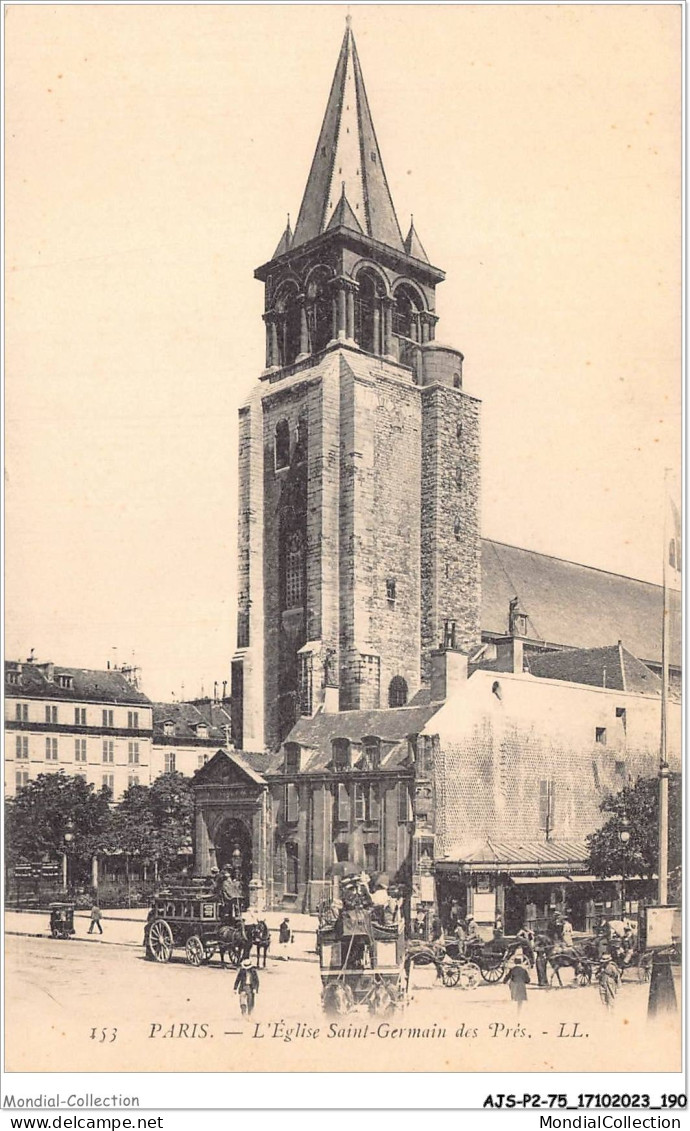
{"points": [[152, 154]]}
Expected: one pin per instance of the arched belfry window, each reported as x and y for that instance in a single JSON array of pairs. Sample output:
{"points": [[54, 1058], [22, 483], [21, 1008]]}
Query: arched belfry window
{"points": [[319, 312], [294, 571], [397, 692], [406, 328], [290, 337], [282, 445], [368, 313]]}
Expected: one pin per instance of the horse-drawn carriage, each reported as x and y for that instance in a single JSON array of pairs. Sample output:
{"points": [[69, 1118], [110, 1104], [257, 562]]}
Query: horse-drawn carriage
{"points": [[194, 919], [452, 968], [61, 920], [362, 963]]}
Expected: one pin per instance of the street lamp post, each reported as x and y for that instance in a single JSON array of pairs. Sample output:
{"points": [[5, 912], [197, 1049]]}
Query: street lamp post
{"points": [[68, 838], [624, 838]]}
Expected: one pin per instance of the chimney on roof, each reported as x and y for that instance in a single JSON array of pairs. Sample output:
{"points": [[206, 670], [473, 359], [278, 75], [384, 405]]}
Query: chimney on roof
{"points": [[225, 687], [215, 691], [510, 655], [448, 672]]}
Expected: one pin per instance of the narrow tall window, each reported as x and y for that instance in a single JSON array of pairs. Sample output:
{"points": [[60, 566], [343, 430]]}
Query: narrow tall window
{"points": [[51, 714], [80, 750], [343, 804], [107, 718], [133, 720], [21, 778], [108, 750], [547, 806], [133, 753], [282, 445], [133, 779], [109, 782], [170, 761], [360, 803], [449, 634], [22, 712], [80, 716], [293, 572], [51, 749], [22, 747], [291, 803], [600, 735], [291, 868], [622, 716], [390, 592], [404, 804]]}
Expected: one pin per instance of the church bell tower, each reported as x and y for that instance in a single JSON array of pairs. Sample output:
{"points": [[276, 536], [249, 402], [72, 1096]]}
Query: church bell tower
{"points": [[358, 540]]}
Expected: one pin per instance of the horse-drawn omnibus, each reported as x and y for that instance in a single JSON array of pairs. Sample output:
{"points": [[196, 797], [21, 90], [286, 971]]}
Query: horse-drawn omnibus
{"points": [[192, 918], [362, 963]]}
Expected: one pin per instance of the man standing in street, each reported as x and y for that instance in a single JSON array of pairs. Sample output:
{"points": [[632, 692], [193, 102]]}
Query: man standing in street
{"points": [[247, 986], [95, 919]]}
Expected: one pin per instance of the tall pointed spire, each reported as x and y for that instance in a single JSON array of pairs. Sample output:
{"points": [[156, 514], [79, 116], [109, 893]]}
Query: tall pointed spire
{"points": [[347, 153]]}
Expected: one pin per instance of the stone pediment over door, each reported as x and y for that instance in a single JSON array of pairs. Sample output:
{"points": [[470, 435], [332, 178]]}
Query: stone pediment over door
{"points": [[231, 771]]}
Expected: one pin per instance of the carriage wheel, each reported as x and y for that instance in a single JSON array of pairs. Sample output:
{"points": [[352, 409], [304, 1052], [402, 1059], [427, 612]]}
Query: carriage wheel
{"points": [[194, 951], [450, 974], [160, 941], [469, 976], [493, 973], [54, 932], [583, 975]]}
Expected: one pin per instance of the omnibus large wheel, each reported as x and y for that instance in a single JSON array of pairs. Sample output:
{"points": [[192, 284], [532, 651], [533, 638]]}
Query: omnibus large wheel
{"points": [[160, 944], [194, 951]]}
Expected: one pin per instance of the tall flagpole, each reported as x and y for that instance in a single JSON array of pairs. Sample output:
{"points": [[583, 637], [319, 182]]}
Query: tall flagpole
{"points": [[662, 889]]}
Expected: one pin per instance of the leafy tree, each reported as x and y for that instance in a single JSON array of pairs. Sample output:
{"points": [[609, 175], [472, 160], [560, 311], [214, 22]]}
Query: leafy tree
{"points": [[639, 803], [45, 810], [152, 823]]}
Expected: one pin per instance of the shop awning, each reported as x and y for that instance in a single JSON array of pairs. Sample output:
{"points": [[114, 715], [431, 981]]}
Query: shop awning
{"points": [[546, 858], [562, 879]]}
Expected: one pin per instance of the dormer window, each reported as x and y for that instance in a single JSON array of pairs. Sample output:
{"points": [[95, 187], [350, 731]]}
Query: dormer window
{"points": [[168, 729], [66, 681], [12, 678], [341, 754], [202, 730], [371, 752], [292, 758]]}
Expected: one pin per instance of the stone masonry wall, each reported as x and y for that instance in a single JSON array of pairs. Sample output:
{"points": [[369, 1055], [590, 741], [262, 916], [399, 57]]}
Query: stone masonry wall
{"points": [[397, 532], [450, 536]]}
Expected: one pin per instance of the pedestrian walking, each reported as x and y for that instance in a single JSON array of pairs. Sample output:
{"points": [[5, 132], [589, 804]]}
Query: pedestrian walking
{"points": [[285, 937], [541, 962], [609, 977], [518, 979], [95, 919], [247, 986], [567, 932]]}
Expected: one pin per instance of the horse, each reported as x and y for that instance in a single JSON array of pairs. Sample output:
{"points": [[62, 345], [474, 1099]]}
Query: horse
{"points": [[381, 1002], [232, 940], [337, 999], [258, 935], [560, 956]]}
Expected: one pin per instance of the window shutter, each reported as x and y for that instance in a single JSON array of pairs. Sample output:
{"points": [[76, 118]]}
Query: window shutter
{"points": [[543, 804], [291, 803], [374, 809], [359, 802], [343, 802]]}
